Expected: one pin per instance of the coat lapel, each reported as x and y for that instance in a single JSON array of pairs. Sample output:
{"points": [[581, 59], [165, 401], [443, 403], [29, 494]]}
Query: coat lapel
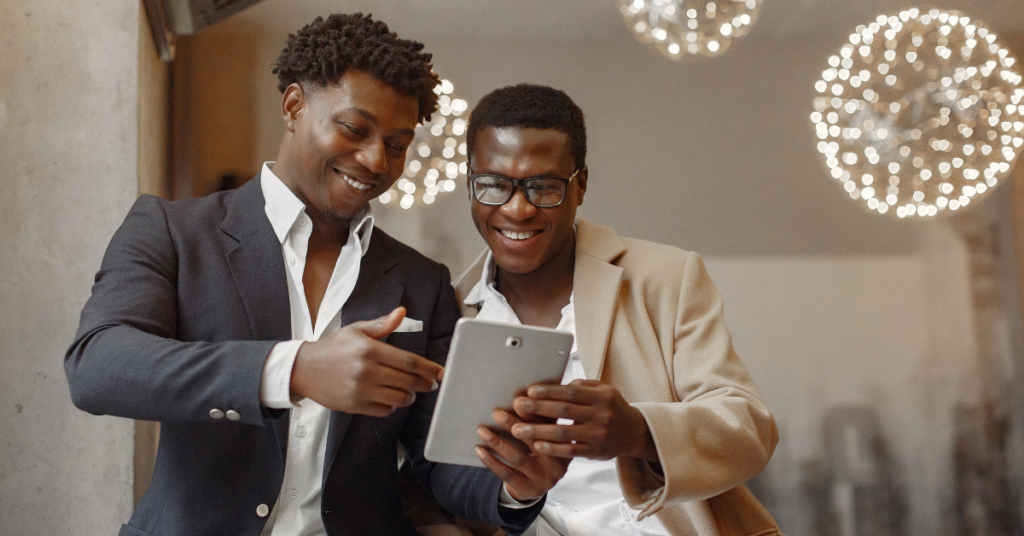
{"points": [[257, 267], [596, 283], [375, 294]]}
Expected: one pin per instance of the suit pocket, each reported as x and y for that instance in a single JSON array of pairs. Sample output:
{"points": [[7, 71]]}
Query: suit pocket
{"points": [[128, 530]]}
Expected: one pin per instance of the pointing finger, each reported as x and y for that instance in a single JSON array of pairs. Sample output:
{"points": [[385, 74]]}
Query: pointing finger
{"points": [[383, 326]]}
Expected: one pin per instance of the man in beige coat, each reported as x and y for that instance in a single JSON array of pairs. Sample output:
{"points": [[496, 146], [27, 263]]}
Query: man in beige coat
{"points": [[661, 419]]}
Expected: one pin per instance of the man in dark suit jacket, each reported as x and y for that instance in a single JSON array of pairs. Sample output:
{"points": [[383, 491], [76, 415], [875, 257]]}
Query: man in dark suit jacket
{"points": [[196, 321]]}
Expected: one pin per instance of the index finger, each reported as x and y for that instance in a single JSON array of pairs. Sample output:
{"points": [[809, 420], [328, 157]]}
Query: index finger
{"points": [[578, 391], [409, 362]]}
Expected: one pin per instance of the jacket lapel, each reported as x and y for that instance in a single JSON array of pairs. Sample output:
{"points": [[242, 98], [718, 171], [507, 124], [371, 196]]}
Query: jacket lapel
{"points": [[596, 283], [375, 294], [257, 267]]}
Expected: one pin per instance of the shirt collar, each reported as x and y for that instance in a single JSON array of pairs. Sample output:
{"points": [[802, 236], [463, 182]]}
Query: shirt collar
{"points": [[485, 287], [284, 208], [479, 293], [485, 294]]}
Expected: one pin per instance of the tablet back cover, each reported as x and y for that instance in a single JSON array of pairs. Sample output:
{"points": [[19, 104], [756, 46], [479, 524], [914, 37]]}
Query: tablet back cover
{"points": [[488, 365]]}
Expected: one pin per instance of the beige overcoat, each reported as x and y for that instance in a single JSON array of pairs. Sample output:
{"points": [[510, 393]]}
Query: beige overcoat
{"points": [[649, 322]]}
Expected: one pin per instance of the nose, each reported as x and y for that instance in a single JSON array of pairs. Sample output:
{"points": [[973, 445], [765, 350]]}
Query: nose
{"points": [[373, 156], [518, 208]]}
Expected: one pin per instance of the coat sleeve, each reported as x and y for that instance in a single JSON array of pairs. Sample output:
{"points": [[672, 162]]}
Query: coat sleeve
{"points": [[125, 360], [719, 433], [469, 492]]}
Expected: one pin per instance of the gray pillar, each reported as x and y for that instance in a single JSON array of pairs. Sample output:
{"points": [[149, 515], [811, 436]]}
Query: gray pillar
{"points": [[68, 174]]}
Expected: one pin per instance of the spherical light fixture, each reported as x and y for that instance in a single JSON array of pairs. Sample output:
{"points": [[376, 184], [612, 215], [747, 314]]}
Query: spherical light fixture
{"points": [[437, 155], [920, 114], [682, 29]]}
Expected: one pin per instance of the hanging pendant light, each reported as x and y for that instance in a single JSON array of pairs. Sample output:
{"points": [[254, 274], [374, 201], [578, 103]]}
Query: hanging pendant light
{"points": [[920, 114], [682, 29]]}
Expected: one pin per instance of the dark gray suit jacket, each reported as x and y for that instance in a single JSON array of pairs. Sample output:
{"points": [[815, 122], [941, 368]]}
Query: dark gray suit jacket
{"points": [[190, 299]]}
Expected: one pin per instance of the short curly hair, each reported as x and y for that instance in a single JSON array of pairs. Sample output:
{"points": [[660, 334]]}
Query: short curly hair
{"points": [[531, 106], [323, 50]]}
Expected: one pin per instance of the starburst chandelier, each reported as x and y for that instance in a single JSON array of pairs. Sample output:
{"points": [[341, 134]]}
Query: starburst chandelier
{"points": [[685, 28], [920, 113], [437, 155]]}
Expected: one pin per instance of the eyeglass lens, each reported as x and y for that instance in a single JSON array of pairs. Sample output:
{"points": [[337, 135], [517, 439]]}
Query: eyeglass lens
{"points": [[494, 190]]}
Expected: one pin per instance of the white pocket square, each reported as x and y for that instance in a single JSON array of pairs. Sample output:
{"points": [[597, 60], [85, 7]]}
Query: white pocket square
{"points": [[409, 325]]}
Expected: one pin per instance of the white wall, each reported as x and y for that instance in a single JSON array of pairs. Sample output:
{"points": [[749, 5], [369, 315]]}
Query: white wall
{"points": [[68, 147], [876, 331]]}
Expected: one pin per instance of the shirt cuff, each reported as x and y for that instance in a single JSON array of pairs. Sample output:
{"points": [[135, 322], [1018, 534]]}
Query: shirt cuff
{"points": [[275, 386], [508, 501]]}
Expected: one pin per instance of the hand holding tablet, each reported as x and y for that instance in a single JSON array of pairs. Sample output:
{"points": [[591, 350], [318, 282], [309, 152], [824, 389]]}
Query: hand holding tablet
{"points": [[489, 364]]}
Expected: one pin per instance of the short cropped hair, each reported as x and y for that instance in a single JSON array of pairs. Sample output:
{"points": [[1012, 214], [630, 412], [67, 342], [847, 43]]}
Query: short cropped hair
{"points": [[531, 106], [322, 51]]}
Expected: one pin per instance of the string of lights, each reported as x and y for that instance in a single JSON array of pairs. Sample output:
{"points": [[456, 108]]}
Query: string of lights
{"points": [[680, 29], [920, 113], [437, 155]]}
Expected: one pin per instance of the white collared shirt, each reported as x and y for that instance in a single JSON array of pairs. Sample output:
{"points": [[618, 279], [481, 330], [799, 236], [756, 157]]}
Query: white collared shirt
{"points": [[297, 511], [587, 500]]}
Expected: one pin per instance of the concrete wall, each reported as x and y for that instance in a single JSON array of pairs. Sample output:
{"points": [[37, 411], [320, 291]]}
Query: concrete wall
{"points": [[69, 154]]}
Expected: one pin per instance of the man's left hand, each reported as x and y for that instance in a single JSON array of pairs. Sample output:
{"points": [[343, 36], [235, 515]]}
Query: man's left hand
{"points": [[604, 425], [527, 475]]}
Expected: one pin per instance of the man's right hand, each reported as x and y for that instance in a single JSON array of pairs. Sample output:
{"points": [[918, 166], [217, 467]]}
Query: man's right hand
{"points": [[351, 371]]}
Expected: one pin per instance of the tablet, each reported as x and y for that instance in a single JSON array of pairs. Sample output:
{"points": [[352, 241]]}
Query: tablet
{"points": [[489, 364]]}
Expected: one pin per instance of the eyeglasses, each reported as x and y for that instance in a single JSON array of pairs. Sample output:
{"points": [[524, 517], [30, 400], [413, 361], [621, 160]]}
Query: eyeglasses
{"points": [[541, 192]]}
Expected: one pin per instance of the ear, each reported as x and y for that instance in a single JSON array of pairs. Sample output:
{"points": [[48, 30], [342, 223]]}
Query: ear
{"points": [[469, 183], [293, 102], [581, 184]]}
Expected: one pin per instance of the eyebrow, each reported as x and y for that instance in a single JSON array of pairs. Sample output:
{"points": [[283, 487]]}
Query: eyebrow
{"points": [[373, 119], [548, 175]]}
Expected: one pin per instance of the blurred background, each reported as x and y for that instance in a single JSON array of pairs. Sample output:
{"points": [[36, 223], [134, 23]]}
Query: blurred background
{"points": [[890, 351]]}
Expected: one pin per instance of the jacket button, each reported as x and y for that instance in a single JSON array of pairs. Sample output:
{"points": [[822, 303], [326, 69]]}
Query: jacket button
{"points": [[262, 510], [232, 415], [216, 414]]}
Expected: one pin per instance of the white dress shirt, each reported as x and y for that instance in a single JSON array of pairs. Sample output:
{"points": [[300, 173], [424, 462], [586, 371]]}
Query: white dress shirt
{"points": [[297, 511], [587, 500]]}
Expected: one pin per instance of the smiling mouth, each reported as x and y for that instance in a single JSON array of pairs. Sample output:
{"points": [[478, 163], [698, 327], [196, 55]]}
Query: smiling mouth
{"points": [[517, 235], [354, 183]]}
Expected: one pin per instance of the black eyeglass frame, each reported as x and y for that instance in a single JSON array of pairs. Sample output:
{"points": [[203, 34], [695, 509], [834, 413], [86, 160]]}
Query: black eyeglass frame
{"points": [[516, 183]]}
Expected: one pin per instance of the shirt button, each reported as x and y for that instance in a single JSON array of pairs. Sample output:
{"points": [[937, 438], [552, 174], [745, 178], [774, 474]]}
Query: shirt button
{"points": [[293, 494], [262, 510], [216, 414], [302, 222], [232, 415], [300, 431], [291, 261]]}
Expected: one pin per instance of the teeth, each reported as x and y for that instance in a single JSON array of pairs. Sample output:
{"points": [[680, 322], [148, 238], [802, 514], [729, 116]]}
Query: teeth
{"points": [[355, 184], [514, 235]]}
